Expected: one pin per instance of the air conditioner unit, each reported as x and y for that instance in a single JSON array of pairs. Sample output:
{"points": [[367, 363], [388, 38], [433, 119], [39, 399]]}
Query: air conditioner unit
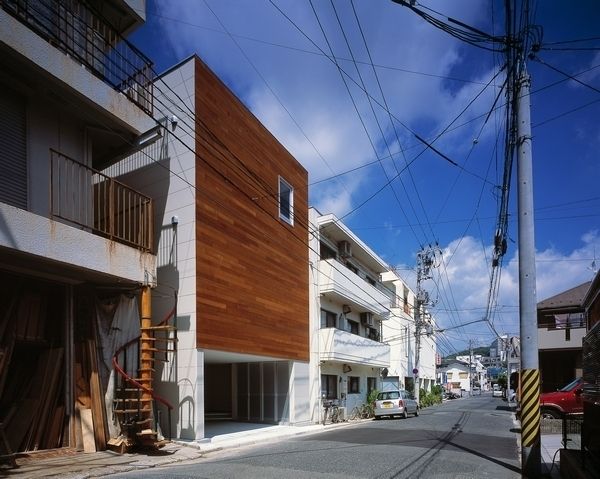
{"points": [[345, 249], [367, 319]]}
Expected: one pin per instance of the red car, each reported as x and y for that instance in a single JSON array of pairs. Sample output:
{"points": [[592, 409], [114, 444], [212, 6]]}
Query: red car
{"points": [[566, 400]]}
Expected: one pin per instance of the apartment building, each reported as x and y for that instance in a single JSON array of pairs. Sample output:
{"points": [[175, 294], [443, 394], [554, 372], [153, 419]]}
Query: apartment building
{"points": [[231, 214], [348, 304], [74, 95]]}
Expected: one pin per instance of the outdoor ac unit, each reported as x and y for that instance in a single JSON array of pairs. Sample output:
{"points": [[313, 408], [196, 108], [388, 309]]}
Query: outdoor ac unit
{"points": [[345, 249], [367, 319]]}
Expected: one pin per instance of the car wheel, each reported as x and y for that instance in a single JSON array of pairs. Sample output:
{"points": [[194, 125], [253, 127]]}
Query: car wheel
{"points": [[417, 411], [550, 414], [405, 414]]}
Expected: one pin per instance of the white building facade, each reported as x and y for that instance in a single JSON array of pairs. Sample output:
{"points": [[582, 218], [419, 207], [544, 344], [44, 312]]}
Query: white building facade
{"points": [[348, 305]]}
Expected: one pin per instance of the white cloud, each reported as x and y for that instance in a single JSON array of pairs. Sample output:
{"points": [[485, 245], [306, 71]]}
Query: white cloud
{"points": [[468, 273]]}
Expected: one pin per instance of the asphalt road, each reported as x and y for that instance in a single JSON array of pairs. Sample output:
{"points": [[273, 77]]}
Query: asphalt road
{"points": [[463, 438]]}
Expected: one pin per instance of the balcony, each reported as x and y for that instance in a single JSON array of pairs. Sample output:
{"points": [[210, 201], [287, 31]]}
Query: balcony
{"points": [[339, 282], [82, 34], [95, 202], [342, 346]]}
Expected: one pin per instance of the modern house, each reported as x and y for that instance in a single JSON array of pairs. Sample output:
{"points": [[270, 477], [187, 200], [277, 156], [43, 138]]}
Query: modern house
{"points": [[74, 96], [561, 328], [348, 304], [231, 211]]}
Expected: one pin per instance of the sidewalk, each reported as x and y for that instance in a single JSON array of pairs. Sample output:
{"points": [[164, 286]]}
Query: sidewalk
{"points": [[551, 443], [77, 465]]}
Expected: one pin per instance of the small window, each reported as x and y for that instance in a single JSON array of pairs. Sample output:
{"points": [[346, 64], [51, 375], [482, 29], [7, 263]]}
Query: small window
{"points": [[329, 386], [286, 201], [352, 326], [328, 319], [351, 267], [353, 385], [463, 375], [326, 252]]}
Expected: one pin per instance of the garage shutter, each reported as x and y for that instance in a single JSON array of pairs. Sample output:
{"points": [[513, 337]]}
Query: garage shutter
{"points": [[13, 152]]}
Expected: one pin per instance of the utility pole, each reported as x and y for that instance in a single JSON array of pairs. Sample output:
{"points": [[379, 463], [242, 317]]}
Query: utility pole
{"points": [[530, 373], [470, 367], [425, 261]]}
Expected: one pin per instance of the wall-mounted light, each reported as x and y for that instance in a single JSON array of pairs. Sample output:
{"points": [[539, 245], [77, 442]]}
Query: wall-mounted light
{"points": [[346, 309], [346, 368]]}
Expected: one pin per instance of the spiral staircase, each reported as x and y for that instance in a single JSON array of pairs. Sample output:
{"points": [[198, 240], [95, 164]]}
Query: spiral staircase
{"points": [[136, 405]]}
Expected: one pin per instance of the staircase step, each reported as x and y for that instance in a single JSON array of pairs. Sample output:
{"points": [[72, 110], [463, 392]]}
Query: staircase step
{"points": [[166, 340], [144, 421], [162, 327], [157, 350], [131, 411], [132, 400]]}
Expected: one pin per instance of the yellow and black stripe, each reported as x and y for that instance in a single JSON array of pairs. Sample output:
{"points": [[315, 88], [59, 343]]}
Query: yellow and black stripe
{"points": [[530, 406]]}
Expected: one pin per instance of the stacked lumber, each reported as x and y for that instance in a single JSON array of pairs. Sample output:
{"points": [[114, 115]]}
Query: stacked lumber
{"points": [[31, 317], [90, 414], [39, 419]]}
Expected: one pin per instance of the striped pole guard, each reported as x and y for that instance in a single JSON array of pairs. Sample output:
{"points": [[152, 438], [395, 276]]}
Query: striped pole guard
{"points": [[530, 406]]}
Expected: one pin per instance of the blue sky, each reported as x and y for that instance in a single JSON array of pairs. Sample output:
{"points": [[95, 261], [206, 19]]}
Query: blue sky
{"points": [[280, 69]]}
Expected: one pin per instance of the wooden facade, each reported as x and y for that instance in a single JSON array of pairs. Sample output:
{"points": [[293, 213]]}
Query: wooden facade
{"points": [[251, 266]]}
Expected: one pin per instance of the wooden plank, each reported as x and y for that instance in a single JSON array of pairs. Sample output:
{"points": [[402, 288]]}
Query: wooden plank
{"points": [[50, 395], [97, 397], [87, 429]]}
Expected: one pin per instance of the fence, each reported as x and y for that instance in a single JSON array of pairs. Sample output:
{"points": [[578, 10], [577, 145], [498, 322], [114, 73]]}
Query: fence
{"points": [[92, 200], [72, 27]]}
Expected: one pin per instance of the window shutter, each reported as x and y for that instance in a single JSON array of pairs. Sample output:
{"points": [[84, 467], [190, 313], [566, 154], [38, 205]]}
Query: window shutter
{"points": [[13, 151]]}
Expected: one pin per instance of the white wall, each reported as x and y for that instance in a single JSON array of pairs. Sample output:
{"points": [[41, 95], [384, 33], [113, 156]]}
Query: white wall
{"points": [[171, 185]]}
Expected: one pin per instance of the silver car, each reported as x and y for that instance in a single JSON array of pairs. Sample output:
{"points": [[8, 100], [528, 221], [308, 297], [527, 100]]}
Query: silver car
{"points": [[395, 403]]}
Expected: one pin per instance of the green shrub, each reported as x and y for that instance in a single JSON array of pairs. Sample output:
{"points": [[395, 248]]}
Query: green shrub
{"points": [[427, 399]]}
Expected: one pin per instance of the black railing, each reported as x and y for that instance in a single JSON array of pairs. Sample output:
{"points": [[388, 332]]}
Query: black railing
{"points": [[72, 27]]}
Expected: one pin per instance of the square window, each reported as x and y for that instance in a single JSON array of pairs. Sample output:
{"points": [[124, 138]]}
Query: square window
{"points": [[353, 385], [328, 319], [352, 327], [329, 386], [286, 201]]}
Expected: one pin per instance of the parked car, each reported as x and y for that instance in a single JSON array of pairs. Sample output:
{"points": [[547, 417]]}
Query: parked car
{"points": [[496, 391], [567, 400], [395, 403]]}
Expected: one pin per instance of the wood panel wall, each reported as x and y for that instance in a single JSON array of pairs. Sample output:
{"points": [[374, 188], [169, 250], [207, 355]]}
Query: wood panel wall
{"points": [[252, 267]]}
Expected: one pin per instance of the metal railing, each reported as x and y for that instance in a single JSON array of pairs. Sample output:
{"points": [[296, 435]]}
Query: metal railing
{"points": [[90, 199], [72, 27]]}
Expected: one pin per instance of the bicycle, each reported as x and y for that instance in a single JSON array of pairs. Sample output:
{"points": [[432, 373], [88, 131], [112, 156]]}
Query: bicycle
{"points": [[332, 409], [360, 412]]}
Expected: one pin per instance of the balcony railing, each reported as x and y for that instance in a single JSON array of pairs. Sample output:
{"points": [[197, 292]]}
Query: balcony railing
{"points": [[342, 346], [92, 200], [562, 321], [72, 27], [351, 289]]}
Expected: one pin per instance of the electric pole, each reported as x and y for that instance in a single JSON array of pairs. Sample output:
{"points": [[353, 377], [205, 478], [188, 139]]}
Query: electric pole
{"points": [[470, 367], [530, 374], [516, 46], [425, 261]]}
